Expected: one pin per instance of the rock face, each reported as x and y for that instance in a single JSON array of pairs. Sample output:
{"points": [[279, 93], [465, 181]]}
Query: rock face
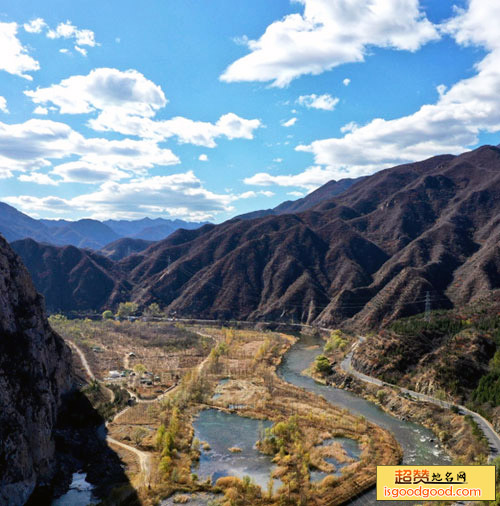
{"points": [[35, 367]]}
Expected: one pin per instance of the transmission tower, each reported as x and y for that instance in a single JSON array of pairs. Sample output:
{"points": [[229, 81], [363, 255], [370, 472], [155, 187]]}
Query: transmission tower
{"points": [[427, 307]]}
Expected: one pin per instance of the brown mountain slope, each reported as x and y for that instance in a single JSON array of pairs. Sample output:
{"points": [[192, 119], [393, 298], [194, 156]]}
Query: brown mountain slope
{"points": [[325, 192], [369, 254], [121, 248], [70, 278]]}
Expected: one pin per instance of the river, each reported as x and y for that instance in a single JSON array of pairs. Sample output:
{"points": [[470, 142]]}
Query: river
{"points": [[223, 430], [419, 444]]}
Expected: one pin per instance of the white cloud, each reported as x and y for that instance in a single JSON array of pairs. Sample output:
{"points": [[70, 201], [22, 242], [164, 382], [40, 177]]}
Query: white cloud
{"points": [[277, 160], [177, 195], [35, 25], [38, 178], [296, 194], [126, 103], [289, 122], [199, 133], [252, 194], [81, 50], [3, 105], [325, 102], [43, 111], [247, 195], [84, 171], [267, 193], [310, 179], [65, 50], [82, 37], [38, 143], [30, 204], [450, 125], [346, 81], [203, 158], [14, 57], [329, 34], [441, 89], [102, 89], [349, 127]]}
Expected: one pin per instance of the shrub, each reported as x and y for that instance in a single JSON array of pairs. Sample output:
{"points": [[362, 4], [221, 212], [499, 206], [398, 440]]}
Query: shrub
{"points": [[335, 342], [107, 315], [322, 365]]}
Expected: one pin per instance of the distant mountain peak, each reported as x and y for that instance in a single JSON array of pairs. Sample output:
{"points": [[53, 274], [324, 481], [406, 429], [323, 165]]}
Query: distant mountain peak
{"points": [[86, 232]]}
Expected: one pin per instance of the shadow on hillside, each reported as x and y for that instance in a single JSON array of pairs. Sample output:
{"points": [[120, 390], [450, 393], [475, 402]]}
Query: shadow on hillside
{"points": [[81, 445]]}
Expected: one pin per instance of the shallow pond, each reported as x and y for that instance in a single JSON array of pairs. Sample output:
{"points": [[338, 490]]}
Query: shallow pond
{"points": [[227, 430]]}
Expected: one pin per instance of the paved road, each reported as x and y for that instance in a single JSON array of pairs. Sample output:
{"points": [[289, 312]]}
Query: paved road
{"points": [[488, 430]]}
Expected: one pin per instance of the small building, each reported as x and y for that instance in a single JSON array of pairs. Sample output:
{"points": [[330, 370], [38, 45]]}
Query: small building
{"points": [[114, 374], [131, 355]]}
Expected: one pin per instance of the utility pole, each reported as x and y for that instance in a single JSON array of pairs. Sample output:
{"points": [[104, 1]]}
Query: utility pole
{"points": [[427, 307]]}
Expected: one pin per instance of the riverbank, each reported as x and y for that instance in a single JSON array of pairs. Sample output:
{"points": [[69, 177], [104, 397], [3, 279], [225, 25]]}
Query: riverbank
{"points": [[458, 434]]}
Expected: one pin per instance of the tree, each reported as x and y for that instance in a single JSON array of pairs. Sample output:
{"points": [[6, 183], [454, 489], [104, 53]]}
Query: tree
{"points": [[126, 309], [138, 435], [139, 369], [153, 310], [322, 365], [107, 315]]}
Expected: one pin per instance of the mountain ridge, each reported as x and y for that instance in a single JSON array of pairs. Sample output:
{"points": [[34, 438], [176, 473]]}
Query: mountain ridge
{"points": [[367, 256], [324, 192], [85, 233]]}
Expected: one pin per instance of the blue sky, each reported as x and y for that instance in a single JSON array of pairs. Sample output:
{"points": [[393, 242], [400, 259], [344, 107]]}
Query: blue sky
{"points": [[204, 110]]}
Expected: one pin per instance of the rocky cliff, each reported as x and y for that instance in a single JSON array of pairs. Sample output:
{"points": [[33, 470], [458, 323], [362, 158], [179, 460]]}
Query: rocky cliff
{"points": [[35, 369]]}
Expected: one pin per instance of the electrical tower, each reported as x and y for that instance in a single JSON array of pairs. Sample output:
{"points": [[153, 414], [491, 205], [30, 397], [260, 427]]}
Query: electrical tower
{"points": [[427, 307]]}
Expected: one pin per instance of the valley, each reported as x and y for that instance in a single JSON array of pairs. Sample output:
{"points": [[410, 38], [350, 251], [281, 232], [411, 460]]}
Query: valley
{"points": [[205, 368], [237, 377], [255, 375], [250, 253]]}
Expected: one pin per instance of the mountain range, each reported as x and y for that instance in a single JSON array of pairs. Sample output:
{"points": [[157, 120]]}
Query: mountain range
{"points": [[325, 192], [370, 254], [86, 233]]}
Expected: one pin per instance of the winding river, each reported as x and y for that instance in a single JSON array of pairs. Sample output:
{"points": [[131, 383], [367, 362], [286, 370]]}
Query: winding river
{"points": [[418, 443], [222, 431]]}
